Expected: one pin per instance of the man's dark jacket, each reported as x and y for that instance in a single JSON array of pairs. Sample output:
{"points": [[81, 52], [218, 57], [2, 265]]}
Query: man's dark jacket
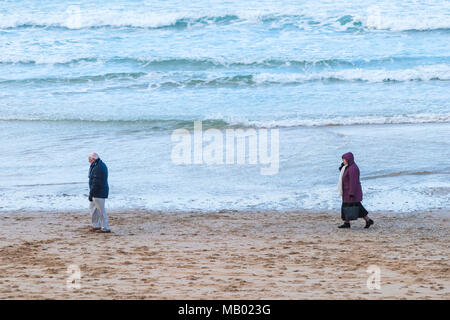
{"points": [[98, 180]]}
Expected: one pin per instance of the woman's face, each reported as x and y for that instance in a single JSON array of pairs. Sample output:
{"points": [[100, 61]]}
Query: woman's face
{"points": [[344, 161]]}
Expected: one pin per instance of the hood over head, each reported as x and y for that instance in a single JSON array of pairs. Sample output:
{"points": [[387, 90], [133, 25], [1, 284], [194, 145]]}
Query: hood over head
{"points": [[349, 157]]}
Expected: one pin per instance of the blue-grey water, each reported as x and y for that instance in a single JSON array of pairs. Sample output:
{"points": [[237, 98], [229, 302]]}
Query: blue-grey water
{"points": [[117, 77]]}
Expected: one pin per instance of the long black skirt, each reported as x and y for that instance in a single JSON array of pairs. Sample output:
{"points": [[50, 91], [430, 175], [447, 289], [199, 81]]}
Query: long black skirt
{"points": [[362, 211]]}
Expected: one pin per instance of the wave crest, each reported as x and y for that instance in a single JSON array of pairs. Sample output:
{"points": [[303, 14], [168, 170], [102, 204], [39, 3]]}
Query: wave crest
{"points": [[155, 80], [88, 19], [205, 63], [219, 121]]}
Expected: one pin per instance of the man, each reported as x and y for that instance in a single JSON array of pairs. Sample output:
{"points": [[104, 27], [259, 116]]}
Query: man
{"points": [[98, 192]]}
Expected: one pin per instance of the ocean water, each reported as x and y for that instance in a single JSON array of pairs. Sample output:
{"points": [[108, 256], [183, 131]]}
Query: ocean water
{"points": [[118, 77]]}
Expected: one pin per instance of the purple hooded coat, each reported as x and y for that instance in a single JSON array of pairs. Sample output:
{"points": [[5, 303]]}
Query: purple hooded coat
{"points": [[351, 185]]}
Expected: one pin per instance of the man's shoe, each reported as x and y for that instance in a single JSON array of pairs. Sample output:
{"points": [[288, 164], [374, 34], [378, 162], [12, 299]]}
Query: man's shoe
{"points": [[369, 223], [94, 229], [346, 225], [103, 231]]}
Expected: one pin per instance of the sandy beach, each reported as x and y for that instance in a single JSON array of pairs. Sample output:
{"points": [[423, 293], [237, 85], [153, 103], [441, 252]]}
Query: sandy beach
{"points": [[223, 255]]}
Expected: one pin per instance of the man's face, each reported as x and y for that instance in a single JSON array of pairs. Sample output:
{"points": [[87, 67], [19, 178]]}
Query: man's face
{"points": [[91, 159]]}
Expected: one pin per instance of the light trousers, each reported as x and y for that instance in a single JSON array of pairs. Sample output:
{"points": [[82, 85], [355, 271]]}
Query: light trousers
{"points": [[98, 213]]}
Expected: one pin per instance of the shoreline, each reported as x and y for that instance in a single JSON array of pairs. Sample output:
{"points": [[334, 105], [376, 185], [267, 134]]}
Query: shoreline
{"points": [[224, 255], [440, 212]]}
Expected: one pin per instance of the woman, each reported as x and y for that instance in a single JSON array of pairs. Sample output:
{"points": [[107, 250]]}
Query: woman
{"points": [[349, 187]]}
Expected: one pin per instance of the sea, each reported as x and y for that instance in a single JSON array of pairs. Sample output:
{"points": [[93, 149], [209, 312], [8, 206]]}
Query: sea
{"points": [[120, 77]]}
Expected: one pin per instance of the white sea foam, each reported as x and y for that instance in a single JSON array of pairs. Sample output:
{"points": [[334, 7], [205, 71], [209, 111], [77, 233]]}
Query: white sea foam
{"points": [[90, 18], [343, 121], [218, 119], [378, 197], [361, 19], [420, 73], [337, 121]]}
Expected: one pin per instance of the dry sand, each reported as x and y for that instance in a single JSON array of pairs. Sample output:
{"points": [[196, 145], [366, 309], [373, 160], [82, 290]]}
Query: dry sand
{"points": [[224, 255]]}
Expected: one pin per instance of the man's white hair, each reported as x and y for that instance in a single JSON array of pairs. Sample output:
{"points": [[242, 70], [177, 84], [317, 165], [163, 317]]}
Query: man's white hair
{"points": [[94, 156]]}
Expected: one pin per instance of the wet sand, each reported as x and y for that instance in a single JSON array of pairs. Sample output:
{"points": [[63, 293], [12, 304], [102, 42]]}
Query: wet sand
{"points": [[224, 255]]}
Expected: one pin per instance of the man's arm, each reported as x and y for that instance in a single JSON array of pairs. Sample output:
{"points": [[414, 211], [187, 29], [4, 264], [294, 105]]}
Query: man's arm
{"points": [[96, 177]]}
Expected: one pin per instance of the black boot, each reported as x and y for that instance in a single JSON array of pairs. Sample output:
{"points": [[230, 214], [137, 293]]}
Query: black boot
{"points": [[346, 225], [368, 224]]}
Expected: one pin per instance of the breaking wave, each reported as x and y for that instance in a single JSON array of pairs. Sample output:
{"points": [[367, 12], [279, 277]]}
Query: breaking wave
{"points": [[233, 122], [439, 72], [210, 63], [364, 21]]}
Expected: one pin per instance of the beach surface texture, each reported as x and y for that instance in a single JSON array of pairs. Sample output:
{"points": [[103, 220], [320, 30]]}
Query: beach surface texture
{"points": [[223, 255]]}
